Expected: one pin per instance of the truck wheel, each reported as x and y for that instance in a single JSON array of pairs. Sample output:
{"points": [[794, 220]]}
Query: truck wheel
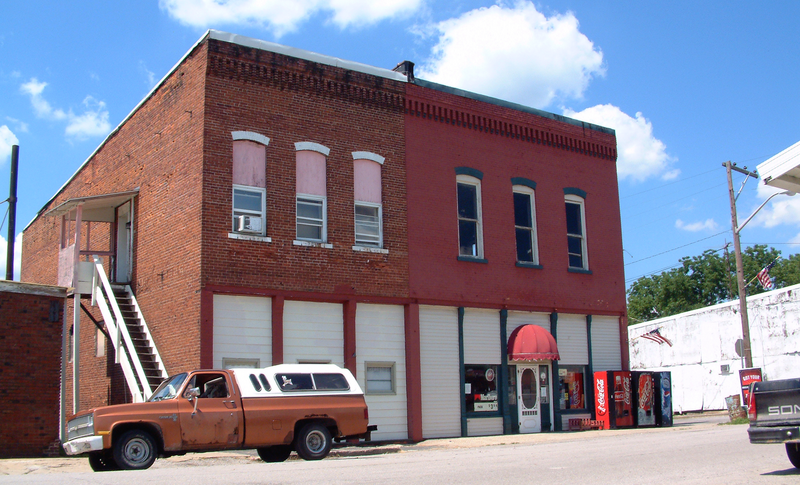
{"points": [[102, 461], [793, 452], [313, 442], [135, 450], [275, 454]]}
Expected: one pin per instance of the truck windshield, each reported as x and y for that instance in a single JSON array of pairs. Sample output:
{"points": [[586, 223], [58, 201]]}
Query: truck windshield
{"points": [[169, 388]]}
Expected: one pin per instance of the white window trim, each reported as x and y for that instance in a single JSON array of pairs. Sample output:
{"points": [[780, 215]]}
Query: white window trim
{"points": [[368, 156], [469, 180], [313, 147], [582, 203], [389, 365], [521, 189], [251, 136], [380, 223], [324, 234], [263, 213]]}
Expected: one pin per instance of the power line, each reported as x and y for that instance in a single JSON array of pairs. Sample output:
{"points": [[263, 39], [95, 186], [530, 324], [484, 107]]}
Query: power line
{"points": [[675, 249]]}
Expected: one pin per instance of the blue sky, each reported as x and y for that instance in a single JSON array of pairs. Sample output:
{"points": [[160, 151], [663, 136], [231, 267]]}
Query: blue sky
{"points": [[687, 86]]}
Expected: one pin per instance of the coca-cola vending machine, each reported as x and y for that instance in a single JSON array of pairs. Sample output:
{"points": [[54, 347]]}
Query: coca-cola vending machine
{"points": [[662, 385], [613, 399], [644, 398]]}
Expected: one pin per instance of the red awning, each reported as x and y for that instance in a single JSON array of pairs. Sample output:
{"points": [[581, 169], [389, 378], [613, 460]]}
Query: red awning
{"points": [[532, 342]]}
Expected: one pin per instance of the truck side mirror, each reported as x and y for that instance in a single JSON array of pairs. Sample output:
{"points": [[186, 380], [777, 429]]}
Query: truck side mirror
{"points": [[192, 395]]}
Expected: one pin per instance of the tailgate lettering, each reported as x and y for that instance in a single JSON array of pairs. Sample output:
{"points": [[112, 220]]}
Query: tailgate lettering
{"points": [[786, 409]]}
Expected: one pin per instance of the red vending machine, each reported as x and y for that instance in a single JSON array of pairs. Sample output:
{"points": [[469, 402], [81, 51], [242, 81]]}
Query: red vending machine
{"points": [[613, 399], [644, 398]]}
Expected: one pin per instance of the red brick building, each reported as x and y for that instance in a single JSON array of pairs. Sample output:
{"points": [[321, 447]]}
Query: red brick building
{"points": [[265, 204]]}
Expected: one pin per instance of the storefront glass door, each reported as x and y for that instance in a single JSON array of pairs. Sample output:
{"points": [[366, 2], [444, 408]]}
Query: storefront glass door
{"points": [[528, 399]]}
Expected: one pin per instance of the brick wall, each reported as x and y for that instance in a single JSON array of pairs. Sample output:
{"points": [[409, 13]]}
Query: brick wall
{"points": [[30, 361], [291, 100], [444, 131], [159, 151]]}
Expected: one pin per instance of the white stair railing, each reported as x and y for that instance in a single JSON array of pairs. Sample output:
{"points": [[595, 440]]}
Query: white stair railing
{"points": [[162, 370], [126, 354]]}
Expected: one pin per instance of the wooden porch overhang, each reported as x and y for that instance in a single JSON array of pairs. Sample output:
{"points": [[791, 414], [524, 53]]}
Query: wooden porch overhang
{"points": [[96, 208]]}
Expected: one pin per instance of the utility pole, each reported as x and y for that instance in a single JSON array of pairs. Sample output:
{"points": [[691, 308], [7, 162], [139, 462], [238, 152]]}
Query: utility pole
{"points": [[12, 213], [737, 250]]}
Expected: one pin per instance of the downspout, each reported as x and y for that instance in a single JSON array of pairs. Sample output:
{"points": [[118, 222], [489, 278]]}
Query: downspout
{"points": [[12, 213]]}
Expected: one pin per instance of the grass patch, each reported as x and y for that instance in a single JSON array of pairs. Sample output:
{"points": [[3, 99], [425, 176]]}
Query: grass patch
{"points": [[737, 421]]}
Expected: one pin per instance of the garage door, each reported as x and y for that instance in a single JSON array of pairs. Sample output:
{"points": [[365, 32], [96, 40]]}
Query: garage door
{"points": [[440, 376], [242, 331], [313, 332]]}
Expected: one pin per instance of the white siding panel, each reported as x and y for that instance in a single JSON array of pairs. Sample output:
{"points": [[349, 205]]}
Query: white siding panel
{"points": [[573, 344], [606, 348], [380, 337], [518, 319], [484, 426], [440, 376], [481, 336], [313, 331], [242, 329]]}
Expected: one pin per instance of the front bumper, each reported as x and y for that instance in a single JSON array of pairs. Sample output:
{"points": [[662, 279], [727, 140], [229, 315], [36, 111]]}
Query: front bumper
{"points": [[776, 434], [83, 445]]}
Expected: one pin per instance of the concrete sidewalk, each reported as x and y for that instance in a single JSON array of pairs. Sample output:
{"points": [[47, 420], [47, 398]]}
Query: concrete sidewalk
{"points": [[78, 464]]}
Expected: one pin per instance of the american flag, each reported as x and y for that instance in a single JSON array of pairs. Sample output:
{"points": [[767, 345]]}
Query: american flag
{"points": [[656, 336], [763, 276]]}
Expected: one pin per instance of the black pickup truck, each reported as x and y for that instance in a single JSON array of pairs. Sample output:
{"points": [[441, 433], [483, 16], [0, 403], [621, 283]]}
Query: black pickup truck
{"points": [[774, 411]]}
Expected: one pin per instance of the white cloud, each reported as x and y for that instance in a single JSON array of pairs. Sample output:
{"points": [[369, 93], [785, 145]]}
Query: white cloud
{"points": [[640, 155], [17, 256], [148, 74], [34, 88], [515, 53], [92, 122], [21, 125], [708, 224], [782, 210], [7, 139], [282, 16]]}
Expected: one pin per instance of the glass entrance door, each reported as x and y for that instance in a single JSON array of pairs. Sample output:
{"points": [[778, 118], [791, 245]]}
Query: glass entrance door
{"points": [[528, 399]]}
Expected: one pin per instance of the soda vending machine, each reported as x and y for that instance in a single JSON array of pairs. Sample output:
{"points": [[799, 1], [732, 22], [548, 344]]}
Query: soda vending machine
{"points": [[644, 398], [662, 385], [613, 399]]}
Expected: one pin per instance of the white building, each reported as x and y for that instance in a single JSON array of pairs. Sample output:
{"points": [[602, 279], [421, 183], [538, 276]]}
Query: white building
{"points": [[703, 357]]}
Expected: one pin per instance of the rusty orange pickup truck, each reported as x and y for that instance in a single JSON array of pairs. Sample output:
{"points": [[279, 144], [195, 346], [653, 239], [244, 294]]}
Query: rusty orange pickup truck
{"points": [[275, 410]]}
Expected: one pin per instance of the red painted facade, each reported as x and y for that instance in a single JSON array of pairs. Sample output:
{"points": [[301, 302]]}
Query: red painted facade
{"points": [[445, 131]]}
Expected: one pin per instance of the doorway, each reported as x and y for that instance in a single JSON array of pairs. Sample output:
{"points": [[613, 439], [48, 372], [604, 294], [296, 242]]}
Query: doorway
{"points": [[533, 396], [124, 250]]}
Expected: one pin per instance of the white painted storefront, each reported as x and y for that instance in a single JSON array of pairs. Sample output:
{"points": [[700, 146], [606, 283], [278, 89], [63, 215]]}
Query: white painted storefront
{"points": [[703, 358]]}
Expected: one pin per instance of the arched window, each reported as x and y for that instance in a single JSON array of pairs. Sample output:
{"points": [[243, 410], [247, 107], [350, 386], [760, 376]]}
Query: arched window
{"points": [[367, 196], [249, 183], [312, 224], [574, 200]]}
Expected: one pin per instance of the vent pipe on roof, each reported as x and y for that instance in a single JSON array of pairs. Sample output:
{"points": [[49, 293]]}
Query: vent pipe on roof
{"points": [[407, 68], [12, 213]]}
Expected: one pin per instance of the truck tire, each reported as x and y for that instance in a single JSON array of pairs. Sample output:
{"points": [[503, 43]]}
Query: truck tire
{"points": [[135, 450], [275, 454], [313, 442], [793, 452], [102, 461]]}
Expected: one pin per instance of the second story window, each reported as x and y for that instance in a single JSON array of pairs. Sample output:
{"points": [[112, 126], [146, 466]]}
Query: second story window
{"points": [[249, 183], [367, 195], [311, 192], [470, 230], [576, 230], [525, 225]]}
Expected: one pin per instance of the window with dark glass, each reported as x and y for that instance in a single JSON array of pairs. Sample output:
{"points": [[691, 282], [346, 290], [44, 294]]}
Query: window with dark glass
{"points": [[571, 383], [480, 387], [524, 225], [468, 220], [576, 239]]}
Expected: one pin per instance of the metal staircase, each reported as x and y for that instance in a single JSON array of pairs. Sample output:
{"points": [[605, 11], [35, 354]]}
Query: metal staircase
{"points": [[134, 347]]}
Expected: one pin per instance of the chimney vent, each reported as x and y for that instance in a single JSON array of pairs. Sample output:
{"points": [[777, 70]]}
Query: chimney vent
{"points": [[407, 68]]}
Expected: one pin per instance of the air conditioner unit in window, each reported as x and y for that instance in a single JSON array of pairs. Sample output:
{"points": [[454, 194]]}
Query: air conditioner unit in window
{"points": [[725, 369], [249, 224]]}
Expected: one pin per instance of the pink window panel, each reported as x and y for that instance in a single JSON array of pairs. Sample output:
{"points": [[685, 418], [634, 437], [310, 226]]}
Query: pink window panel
{"points": [[249, 163], [311, 173], [367, 181]]}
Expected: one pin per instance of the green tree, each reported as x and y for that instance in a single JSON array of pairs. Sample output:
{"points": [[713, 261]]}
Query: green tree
{"points": [[706, 280]]}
